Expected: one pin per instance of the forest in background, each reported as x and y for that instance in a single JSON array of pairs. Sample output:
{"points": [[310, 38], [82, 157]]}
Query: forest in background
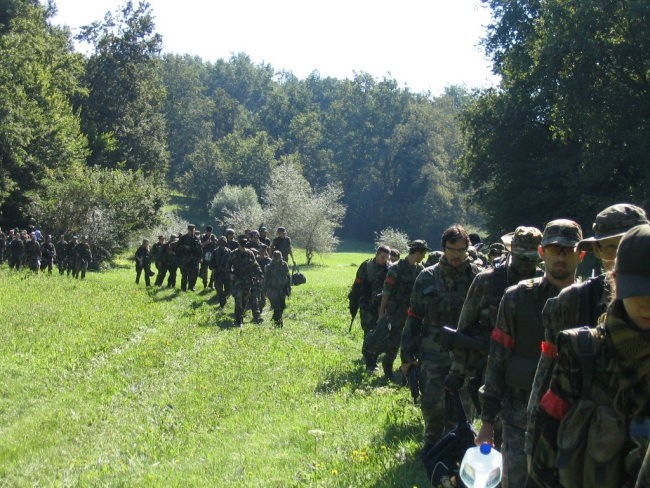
{"points": [[105, 139]]}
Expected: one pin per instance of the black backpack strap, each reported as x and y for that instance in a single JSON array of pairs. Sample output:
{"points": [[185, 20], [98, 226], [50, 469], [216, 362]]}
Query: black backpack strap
{"points": [[590, 298], [587, 352]]}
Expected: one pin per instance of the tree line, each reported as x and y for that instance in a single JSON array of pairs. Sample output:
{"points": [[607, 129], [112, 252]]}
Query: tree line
{"points": [[567, 130]]}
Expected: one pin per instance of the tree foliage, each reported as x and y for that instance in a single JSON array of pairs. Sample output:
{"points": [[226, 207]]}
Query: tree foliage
{"points": [[123, 114], [568, 132], [237, 207]]}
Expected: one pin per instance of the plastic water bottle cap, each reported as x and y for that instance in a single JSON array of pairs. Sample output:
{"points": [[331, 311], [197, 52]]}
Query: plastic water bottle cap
{"points": [[486, 448]]}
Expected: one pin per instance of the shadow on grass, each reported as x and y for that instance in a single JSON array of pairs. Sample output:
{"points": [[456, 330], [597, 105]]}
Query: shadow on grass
{"points": [[353, 377], [163, 294]]}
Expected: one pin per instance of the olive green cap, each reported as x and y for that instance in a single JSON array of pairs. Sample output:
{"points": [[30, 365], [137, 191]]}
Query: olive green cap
{"points": [[633, 263], [525, 241], [614, 221], [562, 232]]}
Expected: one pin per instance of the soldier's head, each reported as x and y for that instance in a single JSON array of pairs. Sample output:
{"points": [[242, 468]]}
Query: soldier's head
{"points": [[524, 245], [161, 239], [558, 249], [455, 243], [208, 229], [609, 227], [62, 237], [277, 256], [190, 229], [264, 250], [281, 232], [632, 274], [74, 238], [254, 236], [230, 234], [382, 255], [222, 241], [242, 240], [394, 255], [263, 231], [145, 242], [173, 238], [418, 249]]}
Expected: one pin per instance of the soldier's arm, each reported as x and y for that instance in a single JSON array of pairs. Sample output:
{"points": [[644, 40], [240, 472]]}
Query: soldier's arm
{"points": [[412, 333], [357, 287], [387, 290], [469, 317], [502, 342], [552, 315]]}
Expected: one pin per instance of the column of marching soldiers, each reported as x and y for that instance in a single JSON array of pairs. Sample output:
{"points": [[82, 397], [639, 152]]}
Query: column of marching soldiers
{"points": [[252, 268], [557, 370]]}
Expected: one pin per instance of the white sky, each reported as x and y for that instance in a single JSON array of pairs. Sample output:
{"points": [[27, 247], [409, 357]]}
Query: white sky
{"points": [[423, 44]]}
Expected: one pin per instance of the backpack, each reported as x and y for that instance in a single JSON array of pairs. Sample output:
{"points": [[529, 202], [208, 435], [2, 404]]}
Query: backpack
{"points": [[376, 340], [442, 459]]}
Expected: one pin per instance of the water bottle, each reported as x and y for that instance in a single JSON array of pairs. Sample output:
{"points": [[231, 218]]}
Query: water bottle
{"points": [[481, 467]]}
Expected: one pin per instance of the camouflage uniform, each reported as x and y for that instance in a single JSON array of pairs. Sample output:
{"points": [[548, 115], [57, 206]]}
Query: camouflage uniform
{"points": [[48, 254], [16, 251], [143, 264], [436, 300], [61, 259], [168, 263], [220, 272], [157, 254], [33, 254], [259, 289], [397, 287], [620, 392], [208, 248], [70, 256], [282, 244], [246, 274], [188, 255], [514, 351], [277, 286], [83, 257], [578, 305], [364, 296]]}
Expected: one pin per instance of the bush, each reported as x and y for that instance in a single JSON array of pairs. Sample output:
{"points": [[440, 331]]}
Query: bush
{"points": [[394, 238]]}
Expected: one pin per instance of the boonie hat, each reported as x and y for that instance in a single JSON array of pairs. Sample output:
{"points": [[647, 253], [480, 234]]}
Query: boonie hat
{"points": [[614, 221], [229, 232], [525, 241], [561, 232], [418, 245], [633, 263]]}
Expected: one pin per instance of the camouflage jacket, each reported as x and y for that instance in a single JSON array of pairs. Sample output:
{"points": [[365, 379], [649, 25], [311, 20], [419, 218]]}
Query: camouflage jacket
{"points": [[32, 250], [436, 300], [188, 250], [479, 314], [220, 258], [577, 305], [592, 405], [244, 267], [514, 351], [398, 284], [367, 285], [142, 256], [282, 244], [82, 251], [276, 277], [157, 251]]}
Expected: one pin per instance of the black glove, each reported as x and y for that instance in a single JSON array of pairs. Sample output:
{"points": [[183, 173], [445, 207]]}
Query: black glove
{"points": [[454, 382]]}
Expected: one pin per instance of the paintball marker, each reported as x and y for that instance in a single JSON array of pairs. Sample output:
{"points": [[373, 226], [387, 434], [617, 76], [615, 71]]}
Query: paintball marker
{"points": [[413, 380], [353, 313], [452, 339]]}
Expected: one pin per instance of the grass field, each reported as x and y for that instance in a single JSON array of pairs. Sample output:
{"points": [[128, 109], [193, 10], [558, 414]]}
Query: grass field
{"points": [[105, 383]]}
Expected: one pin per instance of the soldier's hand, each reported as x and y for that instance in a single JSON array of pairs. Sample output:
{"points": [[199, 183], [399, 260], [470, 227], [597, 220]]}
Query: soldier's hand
{"points": [[405, 367], [486, 434], [454, 382]]}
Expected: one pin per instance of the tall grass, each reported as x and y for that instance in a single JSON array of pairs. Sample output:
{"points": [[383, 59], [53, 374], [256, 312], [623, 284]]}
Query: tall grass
{"points": [[105, 383]]}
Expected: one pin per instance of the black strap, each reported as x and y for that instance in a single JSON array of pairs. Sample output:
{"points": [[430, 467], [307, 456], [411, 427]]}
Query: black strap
{"points": [[587, 353]]}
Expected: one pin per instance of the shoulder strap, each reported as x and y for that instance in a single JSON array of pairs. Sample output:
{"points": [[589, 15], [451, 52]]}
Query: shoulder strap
{"points": [[590, 294], [585, 346]]}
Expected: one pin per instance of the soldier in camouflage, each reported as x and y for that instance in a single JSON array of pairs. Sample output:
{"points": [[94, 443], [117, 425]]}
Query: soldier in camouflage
{"points": [[396, 297], [83, 257], [514, 347], [595, 416], [436, 300], [220, 271], [188, 255], [61, 258], [245, 275], [277, 285], [365, 296], [479, 314], [581, 303]]}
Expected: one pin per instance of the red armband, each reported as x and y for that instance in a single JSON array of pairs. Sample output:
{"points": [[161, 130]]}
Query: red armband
{"points": [[389, 280], [549, 349], [357, 281], [411, 313], [553, 405], [502, 338]]}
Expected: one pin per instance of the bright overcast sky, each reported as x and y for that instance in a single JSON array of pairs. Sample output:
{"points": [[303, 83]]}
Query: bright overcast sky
{"points": [[423, 44]]}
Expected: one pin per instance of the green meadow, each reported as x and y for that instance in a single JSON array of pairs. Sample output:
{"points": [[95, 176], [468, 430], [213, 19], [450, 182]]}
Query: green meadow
{"points": [[106, 383]]}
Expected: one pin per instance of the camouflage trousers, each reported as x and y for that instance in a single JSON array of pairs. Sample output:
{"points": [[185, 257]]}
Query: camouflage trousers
{"points": [[397, 321], [222, 286], [433, 370], [245, 298], [80, 268], [515, 469], [189, 275], [369, 317], [278, 304]]}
